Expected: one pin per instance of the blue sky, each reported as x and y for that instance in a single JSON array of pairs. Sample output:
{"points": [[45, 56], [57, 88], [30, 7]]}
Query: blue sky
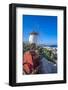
{"points": [[46, 26]]}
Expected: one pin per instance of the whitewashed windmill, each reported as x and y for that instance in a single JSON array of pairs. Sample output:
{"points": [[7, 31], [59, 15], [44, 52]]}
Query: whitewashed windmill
{"points": [[33, 37]]}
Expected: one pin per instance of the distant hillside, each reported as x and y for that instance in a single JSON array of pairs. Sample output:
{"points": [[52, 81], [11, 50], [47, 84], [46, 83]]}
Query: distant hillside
{"points": [[43, 45]]}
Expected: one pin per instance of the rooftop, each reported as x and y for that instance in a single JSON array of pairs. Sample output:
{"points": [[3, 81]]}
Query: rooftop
{"points": [[34, 33]]}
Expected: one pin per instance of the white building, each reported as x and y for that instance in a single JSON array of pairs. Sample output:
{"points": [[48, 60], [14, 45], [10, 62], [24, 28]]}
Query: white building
{"points": [[33, 37]]}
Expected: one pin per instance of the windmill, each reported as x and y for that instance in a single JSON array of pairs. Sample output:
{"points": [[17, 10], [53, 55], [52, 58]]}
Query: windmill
{"points": [[33, 37]]}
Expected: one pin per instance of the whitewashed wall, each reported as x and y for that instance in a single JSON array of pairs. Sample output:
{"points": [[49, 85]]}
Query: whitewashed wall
{"points": [[33, 39]]}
